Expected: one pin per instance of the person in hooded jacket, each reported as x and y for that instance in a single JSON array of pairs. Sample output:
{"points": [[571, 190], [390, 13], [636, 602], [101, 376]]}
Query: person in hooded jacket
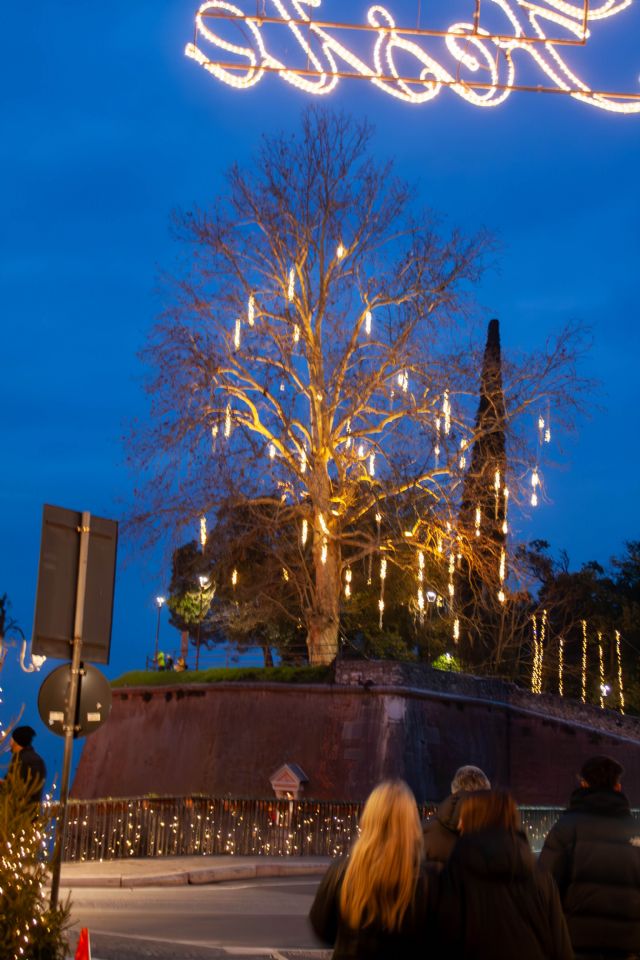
{"points": [[373, 905], [492, 903], [441, 830], [593, 853]]}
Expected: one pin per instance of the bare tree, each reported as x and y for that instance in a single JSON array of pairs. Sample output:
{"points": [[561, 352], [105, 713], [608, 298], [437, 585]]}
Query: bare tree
{"points": [[319, 344]]}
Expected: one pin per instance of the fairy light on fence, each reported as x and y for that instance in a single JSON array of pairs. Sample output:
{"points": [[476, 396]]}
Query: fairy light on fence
{"points": [[583, 688], [619, 660]]}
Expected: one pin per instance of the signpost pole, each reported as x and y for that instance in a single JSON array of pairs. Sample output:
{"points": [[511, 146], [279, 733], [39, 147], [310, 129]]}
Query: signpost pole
{"points": [[71, 707]]}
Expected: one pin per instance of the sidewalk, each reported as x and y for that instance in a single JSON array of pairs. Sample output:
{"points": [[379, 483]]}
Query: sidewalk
{"points": [[180, 871]]}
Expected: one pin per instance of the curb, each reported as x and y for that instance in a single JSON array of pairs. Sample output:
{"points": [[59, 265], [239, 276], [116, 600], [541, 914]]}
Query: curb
{"points": [[201, 876]]}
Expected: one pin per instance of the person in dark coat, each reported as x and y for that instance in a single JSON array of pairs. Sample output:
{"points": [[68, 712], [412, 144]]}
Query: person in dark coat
{"points": [[28, 763], [372, 906], [441, 830], [491, 903], [593, 853]]}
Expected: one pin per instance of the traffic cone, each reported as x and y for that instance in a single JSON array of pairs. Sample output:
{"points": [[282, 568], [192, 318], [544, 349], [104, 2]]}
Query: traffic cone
{"points": [[83, 950]]}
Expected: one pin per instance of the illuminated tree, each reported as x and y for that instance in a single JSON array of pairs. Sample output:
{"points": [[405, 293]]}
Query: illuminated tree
{"points": [[318, 343]]}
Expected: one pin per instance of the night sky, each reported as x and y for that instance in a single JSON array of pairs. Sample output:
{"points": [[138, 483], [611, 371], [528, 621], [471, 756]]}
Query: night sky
{"points": [[107, 127]]}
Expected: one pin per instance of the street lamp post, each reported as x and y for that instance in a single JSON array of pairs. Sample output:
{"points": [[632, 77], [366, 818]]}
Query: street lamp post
{"points": [[204, 582], [160, 603]]}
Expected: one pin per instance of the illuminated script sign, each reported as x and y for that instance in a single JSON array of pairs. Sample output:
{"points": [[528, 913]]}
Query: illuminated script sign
{"points": [[507, 45]]}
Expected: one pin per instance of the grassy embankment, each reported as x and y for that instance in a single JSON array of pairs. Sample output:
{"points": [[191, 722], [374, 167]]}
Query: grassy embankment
{"points": [[283, 674]]}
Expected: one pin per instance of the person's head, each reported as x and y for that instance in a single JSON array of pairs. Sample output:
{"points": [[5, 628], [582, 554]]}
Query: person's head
{"points": [[21, 737], [383, 867], [467, 779], [487, 810], [601, 773]]}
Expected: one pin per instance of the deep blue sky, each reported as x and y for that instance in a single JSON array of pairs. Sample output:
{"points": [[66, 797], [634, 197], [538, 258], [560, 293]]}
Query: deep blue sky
{"points": [[107, 127]]}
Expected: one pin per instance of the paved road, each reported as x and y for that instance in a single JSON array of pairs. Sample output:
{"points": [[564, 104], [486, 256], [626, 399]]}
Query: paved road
{"points": [[255, 918]]}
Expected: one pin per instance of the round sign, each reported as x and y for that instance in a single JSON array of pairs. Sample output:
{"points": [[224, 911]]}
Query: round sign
{"points": [[94, 700]]}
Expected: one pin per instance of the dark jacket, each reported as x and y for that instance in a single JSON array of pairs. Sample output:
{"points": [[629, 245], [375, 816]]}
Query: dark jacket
{"points": [[441, 830], [371, 942], [31, 768], [492, 904], [593, 852]]}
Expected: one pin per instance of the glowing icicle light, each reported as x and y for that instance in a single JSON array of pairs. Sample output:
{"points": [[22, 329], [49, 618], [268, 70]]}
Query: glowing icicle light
{"points": [[561, 666], [251, 311], [583, 691], [347, 582], [619, 659], [340, 252], [285, 574], [496, 481], [601, 661], [535, 483], [456, 630], [236, 334], [383, 568], [305, 531], [463, 456], [282, 386], [296, 333], [323, 524], [421, 602], [440, 545], [272, 450], [478, 520], [446, 412], [501, 596], [505, 523], [227, 421], [403, 380], [203, 532], [547, 435], [503, 565], [303, 460], [541, 427], [420, 566], [367, 323], [361, 450], [372, 464], [378, 521], [291, 289], [543, 630], [381, 609], [214, 435], [451, 590], [324, 551], [234, 577]]}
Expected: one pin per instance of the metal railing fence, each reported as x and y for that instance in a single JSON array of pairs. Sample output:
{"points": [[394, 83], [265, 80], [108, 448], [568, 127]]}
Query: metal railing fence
{"points": [[186, 826]]}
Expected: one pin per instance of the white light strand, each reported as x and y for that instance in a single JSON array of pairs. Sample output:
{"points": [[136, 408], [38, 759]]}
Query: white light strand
{"points": [[619, 659], [324, 551], [272, 451], [534, 662], [340, 252], [456, 630], [446, 412], [227, 421], [296, 333], [478, 520], [583, 688], [601, 662], [463, 456], [234, 577], [561, 666], [383, 577], [291, 288], [347, 583], [236, 334], [372, 464], [535, 483], [305, 531], [203, 532], [503, 565], [367, 323], [251, 311]]}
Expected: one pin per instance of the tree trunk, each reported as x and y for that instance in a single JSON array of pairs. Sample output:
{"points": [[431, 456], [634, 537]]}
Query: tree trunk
{"points": [[268, 656], [324, 618]]}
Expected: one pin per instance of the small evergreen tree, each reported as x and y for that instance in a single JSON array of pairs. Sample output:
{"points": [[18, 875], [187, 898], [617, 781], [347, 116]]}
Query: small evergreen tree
{"points": [[29, 928]]}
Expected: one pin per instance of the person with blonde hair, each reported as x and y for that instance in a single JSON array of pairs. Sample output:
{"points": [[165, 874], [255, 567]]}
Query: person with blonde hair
{"points": [[492, 904], [374, 903]]}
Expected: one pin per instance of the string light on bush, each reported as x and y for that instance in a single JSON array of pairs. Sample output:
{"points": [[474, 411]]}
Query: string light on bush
{"points": [[601, 662], [619, 659], [291, 289], [583, 689]]}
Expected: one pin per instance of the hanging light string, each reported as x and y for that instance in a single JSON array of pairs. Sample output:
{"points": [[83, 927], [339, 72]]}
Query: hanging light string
{"points": [[619, 659], [543, 630], [534, 661], [601, 659], [561, 666], [583, 694], [383, 577], [421, 585]]}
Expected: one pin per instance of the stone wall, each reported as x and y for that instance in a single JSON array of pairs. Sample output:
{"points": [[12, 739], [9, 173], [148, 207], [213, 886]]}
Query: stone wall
{"points": [[377, 720]]}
